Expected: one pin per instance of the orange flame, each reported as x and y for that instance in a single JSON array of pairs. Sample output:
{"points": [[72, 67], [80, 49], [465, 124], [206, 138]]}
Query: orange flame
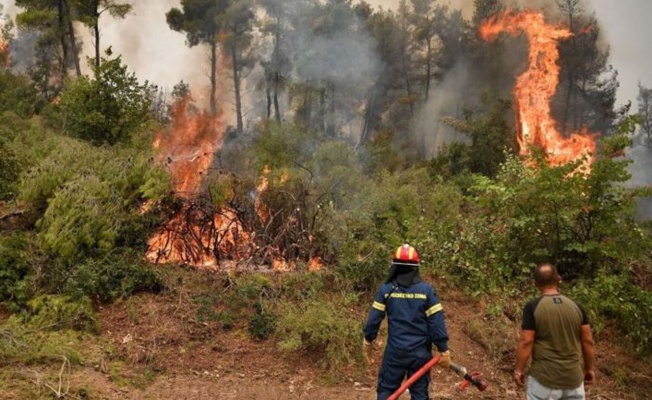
{"points": [[191, 236], [4, 53], [536, 86], [188, 148]]}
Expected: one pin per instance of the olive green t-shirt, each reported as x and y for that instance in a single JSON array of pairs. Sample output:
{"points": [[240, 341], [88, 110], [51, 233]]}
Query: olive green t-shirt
{"points": [[557, 351]]}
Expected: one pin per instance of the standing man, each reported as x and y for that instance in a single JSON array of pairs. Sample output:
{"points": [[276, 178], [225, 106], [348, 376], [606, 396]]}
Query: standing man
{"points": [[415, 323], [557, 334]]}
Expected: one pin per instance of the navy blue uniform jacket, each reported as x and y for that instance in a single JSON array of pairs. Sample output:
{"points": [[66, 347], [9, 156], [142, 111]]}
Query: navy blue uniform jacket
{"points": [[415, 318]]}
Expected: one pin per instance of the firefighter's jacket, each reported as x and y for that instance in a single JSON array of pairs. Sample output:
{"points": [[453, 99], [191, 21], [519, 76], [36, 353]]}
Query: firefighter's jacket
{"points": [[415, 318]]}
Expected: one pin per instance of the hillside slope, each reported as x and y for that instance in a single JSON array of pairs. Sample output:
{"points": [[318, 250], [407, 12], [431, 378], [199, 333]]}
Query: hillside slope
{"points": [[153, 347]]}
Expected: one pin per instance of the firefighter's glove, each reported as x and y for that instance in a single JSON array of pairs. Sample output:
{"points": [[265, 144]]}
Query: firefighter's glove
{"points": [[369, 348], [445, 360]]}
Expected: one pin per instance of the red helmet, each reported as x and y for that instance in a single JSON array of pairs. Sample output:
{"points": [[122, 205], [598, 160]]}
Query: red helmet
{"points": [[406, 254]]}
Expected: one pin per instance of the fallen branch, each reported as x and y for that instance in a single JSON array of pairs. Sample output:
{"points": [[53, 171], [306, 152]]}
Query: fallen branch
{"points": [[59, 392], [12, 215]]}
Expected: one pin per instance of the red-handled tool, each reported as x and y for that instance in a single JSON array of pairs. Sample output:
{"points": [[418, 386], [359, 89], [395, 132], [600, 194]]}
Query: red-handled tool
{"points": [[415, 377], [470, 378]]}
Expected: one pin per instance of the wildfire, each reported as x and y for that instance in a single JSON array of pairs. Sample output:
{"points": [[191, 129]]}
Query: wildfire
{"points": [[188, 148], [536, 86], [4, 53], [194, 234]]}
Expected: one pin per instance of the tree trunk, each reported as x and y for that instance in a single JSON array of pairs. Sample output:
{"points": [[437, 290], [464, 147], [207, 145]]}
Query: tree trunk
{"points": [[213, 98], [408, 86], [72, 38], [268, 94], [96, 29], [428, 68], [275, 70], [62, 38], [236, 87], [370, 111], [277, 108]]}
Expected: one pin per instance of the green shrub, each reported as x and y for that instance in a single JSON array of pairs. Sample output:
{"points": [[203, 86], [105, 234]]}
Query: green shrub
{"points": [[249, 289], [118, 275], [208, 311], [60, 312], [386, 212], [22, 343], [261, 323], [9, 171], [532, 214], [108, 108], [86, 200], [325, 329], [16, 256], [613, 297], [18, 94]]}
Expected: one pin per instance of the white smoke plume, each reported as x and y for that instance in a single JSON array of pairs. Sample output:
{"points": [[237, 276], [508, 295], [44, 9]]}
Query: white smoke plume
{"points": [[149, 47]]}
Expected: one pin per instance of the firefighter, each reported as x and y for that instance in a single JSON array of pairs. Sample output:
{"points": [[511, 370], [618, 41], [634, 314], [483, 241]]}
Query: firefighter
{"points": [[415, 323]]}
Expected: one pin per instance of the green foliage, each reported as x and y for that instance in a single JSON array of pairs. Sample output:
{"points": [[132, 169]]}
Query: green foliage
{"points": [[379, 154], [87, 199], [59, 312], [556, 214], [207, 311], [18, 95], [284, 146], [16, 256], [614, 297], [107, 108], [261, 323], [21, 343], [309, 179], [9, 171], [323, 328], [118, 275], [197, 19], [80, 220], [492, 139], [387, 212]]}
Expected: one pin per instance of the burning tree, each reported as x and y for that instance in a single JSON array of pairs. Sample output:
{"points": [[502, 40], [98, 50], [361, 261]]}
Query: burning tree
{"points": [[4, 48], [536, 87]]}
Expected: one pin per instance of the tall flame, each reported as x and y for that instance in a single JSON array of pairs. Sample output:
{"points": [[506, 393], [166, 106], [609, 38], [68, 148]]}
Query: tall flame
{"points": [[536, 87], [4, 53], [189, 146]]}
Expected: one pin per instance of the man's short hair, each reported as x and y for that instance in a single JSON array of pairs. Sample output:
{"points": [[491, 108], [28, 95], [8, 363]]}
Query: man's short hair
{"points": [[545, 275]]}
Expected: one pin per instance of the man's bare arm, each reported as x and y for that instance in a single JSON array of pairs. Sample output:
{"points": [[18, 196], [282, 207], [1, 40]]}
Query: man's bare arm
{"points": [[588, 351], [523, 352]]}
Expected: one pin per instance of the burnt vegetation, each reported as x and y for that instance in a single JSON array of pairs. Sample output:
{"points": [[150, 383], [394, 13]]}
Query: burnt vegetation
{"points": [[354, 129]]}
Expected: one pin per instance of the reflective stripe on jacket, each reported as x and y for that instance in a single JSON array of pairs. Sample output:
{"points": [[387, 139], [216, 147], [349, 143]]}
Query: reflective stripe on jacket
{"points": [[415, 318]]}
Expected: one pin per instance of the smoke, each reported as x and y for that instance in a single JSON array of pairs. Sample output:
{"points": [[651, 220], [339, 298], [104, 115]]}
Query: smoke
{"points": [[149, 47], [447, 98], [323, 47], [466, 6], [641, 171]]}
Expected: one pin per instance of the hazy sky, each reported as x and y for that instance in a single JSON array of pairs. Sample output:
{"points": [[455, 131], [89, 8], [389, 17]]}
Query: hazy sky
{"points": [[160, 53], [628, 28]]}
